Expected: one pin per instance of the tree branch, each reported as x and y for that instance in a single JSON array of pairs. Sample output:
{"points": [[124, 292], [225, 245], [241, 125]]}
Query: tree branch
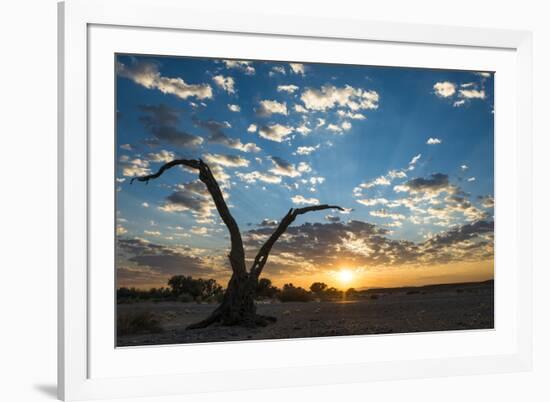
{"points": [[261, 257], [236, 255]]}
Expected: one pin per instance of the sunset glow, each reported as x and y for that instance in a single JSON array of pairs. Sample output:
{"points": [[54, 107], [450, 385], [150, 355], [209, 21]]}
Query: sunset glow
{"points": [[345, 276]]}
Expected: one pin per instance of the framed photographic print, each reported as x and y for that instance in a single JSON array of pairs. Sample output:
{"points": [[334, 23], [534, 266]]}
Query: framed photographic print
{"points": [[242, 199]]}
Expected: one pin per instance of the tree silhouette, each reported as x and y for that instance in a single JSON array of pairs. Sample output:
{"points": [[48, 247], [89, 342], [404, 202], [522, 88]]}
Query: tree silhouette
{"points": [[237, 306]]}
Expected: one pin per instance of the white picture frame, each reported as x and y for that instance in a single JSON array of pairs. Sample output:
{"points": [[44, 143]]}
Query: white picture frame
{"points": [[89, 367]]}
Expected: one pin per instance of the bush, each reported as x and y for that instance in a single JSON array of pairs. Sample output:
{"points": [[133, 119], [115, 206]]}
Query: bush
{"points": [[332, 294], [185, 298], [199, 289], [138, 323], [265, 290], [290, 293]]}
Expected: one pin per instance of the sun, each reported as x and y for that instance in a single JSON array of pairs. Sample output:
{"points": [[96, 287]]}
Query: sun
{"points": [[345, 275]]}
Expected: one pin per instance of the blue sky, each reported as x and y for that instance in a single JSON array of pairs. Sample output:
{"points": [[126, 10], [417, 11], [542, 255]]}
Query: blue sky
{"points": [[408, 152]]}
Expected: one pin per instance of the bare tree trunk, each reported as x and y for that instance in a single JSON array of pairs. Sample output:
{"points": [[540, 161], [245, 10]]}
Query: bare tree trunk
{"points": [[237, 306]]}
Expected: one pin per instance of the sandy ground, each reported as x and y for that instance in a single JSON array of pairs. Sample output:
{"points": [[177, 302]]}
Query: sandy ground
{"points": [[452, 309]]}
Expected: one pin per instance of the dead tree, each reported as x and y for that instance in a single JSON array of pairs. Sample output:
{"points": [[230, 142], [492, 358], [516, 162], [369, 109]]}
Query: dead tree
{"points": [[237, 306]]}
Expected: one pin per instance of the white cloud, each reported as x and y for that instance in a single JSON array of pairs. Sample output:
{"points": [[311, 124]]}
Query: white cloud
{"points": [[306, 150], [161, 156], [379, 181], [316, 180], [227, 160], [134, 167], [303, 167], [298, 68], [254, 176], [199, 230], [397, 174], [226, 83], [287, 88], [351, 115], [303, 129], [329, 96], [120, 230], [244, 66], [234, 108], [369, 202], [299, 199], [345, 126], [126, 147], [145, 204], [300, 109], [275, 132], [320, 122], [152, 233], [470, 179], [147, 74], [444, 89], [277, 70], [464, 167], [459, 103], [415, 159], [269, 107], [252, 128], [472, 93], [433, 141], [382, 213]]}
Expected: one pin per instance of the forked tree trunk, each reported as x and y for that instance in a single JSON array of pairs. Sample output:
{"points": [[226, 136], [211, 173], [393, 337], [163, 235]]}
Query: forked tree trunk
{"points": [[237, 306]]}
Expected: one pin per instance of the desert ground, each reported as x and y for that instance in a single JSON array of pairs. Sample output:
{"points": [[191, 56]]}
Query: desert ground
{"points": [[377, 311]]}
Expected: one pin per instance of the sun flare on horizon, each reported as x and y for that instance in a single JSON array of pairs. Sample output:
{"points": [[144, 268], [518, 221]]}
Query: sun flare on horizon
{"points": [[345, 276]]}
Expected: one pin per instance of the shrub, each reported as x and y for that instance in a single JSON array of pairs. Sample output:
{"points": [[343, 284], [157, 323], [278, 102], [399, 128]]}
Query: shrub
{"points": [[137, 323], [290, 293], [265, 290], [185, 298]]}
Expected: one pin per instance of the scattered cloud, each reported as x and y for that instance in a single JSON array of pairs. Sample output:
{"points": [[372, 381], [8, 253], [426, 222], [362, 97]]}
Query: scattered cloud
{"points": [[351, 115], [269, 107], [147, 74], [472, 94], [163, 156], [306, 150], [329, 96], [277, 70], [234, 108], [227, 160], [370, 202], [268, 223], [444, 89], [299, 199], [218, 136], [240, 65], [433, 141], [283, 168], [225, 83], [275, 132], [252, 128], [254, 176], [297, 68], [289, 88]]}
